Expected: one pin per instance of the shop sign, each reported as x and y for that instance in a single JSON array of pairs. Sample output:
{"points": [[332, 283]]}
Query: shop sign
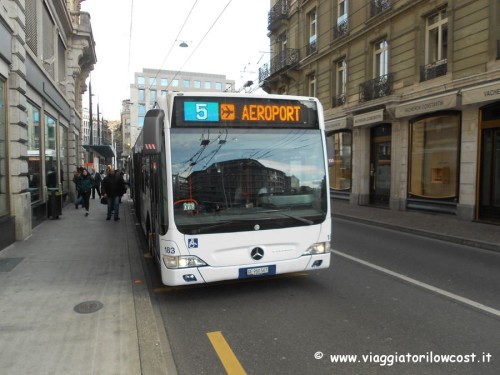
{"points": [[481, 94], [369, 118], [336, 124], [418, 107]]}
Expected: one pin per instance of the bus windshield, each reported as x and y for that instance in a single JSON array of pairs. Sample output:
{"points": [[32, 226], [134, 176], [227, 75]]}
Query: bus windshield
{"points": [[230, 180]]}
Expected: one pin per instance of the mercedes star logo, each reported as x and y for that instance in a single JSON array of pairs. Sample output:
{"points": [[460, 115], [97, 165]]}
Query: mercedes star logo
{"points": [[257, 253]]}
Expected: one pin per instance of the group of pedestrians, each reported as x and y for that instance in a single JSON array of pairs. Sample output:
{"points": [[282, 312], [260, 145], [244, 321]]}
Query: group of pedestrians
{"points": [[110, 189]]}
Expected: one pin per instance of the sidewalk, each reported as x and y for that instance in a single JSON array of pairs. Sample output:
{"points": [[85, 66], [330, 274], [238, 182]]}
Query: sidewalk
{"points": [[74, 299], [439, 226]]}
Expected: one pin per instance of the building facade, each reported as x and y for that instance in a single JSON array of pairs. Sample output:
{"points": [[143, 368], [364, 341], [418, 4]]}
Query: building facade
{"points": [[46, 54], [411, 91]]}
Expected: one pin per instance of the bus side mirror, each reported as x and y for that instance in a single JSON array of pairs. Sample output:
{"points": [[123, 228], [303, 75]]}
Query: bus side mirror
{"points": [[152, 131]]}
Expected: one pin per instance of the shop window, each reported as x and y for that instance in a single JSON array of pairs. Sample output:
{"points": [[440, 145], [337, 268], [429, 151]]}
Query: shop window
{"points": [[340, 160], [3, 152], [51, 152], [34, 161], [63, 157], [434, 157]]}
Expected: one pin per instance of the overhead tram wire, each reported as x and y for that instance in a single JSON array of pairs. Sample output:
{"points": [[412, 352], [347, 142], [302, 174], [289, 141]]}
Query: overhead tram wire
{"points": [[199, 44], [174, 43], [130, 35]]}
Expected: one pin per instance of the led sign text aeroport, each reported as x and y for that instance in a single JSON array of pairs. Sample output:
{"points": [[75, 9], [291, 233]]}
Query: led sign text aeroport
{"points": [[223, 111], [259, 112]]}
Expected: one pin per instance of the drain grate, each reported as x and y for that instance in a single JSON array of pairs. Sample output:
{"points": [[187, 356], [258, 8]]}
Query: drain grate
{"points": [[88, 307], [8, 264]]}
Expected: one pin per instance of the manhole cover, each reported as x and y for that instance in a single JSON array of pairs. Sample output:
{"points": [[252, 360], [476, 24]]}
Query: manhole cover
{"points": [[88, 307]]}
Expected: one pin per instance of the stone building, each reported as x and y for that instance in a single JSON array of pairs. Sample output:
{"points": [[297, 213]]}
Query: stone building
{"points": [[411, 91], [46, 54]]}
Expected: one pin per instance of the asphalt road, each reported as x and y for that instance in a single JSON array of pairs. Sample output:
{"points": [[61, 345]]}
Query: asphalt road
{"points": [[397, 306]]}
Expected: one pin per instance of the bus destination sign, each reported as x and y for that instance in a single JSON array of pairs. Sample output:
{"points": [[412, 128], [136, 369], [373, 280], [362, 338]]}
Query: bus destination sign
{"points": [[243, 112]]}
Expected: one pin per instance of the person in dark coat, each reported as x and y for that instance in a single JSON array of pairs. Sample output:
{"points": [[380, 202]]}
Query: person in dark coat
{"points": [[84, 186], [113, 187]]}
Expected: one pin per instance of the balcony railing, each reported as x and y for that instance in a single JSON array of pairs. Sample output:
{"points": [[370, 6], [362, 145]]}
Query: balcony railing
{"points": [[379, 6], [338, 100], [434, 70], [287, 59], [341, 29], [278, 12], [311, 47], [375, 88]]}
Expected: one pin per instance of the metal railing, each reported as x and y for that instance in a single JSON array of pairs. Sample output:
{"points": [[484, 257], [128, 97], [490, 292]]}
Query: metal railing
{"points": [[375, 88], [434, 70], [338, 100], [341, 29], [278, 12], [379, 6], [287, 59]]}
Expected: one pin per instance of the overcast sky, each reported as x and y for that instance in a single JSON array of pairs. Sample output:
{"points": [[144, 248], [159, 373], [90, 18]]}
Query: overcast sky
{"points": [[224, 36]]}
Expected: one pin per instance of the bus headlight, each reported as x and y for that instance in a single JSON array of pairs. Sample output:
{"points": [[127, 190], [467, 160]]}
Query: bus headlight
{"points": [[318, 248], [186, 261]]}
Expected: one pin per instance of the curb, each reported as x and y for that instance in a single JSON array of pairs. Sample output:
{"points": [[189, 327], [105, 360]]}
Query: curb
{"points": [[423, 233]]}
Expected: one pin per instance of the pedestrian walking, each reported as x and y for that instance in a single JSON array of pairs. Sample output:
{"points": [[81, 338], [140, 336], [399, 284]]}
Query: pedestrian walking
{"points": [[84, 187], [113, 187], [78, 198], [96, 176]]}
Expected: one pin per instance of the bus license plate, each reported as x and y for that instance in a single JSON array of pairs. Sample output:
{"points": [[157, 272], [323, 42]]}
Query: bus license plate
{"points": [[257, 271]]}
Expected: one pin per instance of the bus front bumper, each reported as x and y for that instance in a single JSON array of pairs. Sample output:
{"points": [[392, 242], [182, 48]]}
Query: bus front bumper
{"points": [[209, 274]]}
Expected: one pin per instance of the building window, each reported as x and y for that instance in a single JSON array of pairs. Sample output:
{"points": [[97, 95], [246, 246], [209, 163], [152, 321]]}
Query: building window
{"points": [[142, 109], [140, 121], [340, 83], [437, 37], [152, 81], [152, 98], [208, 85], [197, 84], [140, 80], [175, 83], [436, 46], [3, 151], [381, 58], [164, 82], [48, 45], [34, 160], [163, 92], [434, 157], [141, 95], [311, 79], [312, 32], [63, 157], [51, 151], [340, 160], [218, 86], [185, 83], [342, 24]]}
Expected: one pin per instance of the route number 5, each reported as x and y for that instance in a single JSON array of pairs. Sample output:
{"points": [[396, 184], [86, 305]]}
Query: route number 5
{"points": [[201, 111]]}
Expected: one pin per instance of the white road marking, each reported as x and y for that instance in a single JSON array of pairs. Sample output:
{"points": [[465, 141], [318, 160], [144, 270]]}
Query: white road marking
{"points": [[420, 284]]}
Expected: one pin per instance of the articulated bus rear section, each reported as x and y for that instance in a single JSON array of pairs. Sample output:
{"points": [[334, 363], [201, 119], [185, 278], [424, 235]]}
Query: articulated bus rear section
{"points": [[233, 186]]}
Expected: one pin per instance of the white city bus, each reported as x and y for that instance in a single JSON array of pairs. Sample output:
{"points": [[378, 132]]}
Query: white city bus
{"points": [[232, 186]]}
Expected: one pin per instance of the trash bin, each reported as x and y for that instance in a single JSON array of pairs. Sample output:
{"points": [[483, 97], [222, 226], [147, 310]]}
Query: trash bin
{"points": [[54, 204]]}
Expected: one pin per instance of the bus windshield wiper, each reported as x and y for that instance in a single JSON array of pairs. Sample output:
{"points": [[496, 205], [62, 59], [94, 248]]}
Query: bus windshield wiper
{"points": [[299, 218]]}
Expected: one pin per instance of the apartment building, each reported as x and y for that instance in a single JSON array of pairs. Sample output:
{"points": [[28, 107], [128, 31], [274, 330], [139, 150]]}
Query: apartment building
{"points": [[46, 54], [411, 91]]}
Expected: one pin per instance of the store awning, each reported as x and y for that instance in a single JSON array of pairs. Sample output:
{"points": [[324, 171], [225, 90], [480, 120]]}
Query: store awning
{"points": [[106, 151]]}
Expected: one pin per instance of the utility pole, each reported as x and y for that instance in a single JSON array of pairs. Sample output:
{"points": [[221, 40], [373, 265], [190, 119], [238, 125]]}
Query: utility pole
{"points": [[91, 124]]}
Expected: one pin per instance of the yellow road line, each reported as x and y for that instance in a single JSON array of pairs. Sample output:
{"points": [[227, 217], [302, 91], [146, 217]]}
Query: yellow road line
{"points": [[226, 354]]}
